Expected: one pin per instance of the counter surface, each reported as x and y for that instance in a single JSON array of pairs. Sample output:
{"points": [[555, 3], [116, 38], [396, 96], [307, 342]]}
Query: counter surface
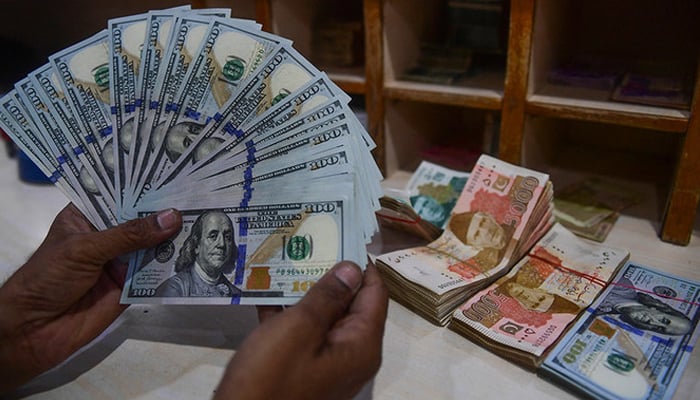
{"points": [[180, 352]]}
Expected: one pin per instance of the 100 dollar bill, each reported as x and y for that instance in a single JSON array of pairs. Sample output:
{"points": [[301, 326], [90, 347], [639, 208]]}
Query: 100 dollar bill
{"points": [[634, 341], [230, 51], [259, 254], [243, 182], [273, 127], [126, 39], [95, 184], [82, 71], [187, 35], [62, 145], [281, 74]]}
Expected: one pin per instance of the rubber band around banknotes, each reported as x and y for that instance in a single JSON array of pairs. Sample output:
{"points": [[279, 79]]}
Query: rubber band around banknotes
{"points": [[590, 278], [604, 284]]}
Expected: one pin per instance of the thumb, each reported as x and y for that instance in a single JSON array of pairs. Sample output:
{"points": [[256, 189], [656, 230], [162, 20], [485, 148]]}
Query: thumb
{"points": [[327, 300], [133, 235]]}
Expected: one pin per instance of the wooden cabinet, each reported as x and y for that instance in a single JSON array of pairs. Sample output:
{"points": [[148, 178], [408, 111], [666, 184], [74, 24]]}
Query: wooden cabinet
{"points": [[421, 119], [514, 112], [581, 130]]}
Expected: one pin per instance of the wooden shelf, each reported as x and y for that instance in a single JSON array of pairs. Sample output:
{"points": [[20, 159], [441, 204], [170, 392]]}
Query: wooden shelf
{"points": [[447, 95], [599, 148], [594, 105]]}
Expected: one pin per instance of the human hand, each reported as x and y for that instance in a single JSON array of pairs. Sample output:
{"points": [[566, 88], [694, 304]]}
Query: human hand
{"points": [[325, 347], [68, 291]]}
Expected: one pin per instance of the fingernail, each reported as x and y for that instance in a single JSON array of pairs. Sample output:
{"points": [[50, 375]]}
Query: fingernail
{"points": [[167, 218], [350, 275]]}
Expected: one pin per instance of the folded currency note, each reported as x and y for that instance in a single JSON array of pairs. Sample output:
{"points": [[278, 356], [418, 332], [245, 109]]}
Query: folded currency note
{"points": [[423, 207]]}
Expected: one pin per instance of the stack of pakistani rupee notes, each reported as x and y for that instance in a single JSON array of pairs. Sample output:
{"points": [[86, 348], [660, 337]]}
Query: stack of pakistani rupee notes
{"points": [[501, 212], [522, 314], [194, 110]]}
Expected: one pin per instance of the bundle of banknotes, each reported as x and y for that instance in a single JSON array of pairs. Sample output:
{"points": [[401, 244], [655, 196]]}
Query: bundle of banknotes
{"points": [[522, 314], [502, 211], [424, 205], [208, 114], [634, 341], [590, 207]]}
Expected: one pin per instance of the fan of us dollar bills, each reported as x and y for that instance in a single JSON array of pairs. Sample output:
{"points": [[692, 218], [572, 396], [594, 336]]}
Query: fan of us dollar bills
{"points": [[208, 114]]}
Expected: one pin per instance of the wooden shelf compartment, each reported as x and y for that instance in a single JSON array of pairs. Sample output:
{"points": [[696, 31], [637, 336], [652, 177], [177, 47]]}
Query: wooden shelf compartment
{"points": [[415, 131], [407, 24], [476, 97], [641, 159], [647, 37], [298, 19]]}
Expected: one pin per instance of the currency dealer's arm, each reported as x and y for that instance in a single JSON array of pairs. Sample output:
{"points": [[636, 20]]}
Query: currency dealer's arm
{"points": [[325, 347], [68, 291]]}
